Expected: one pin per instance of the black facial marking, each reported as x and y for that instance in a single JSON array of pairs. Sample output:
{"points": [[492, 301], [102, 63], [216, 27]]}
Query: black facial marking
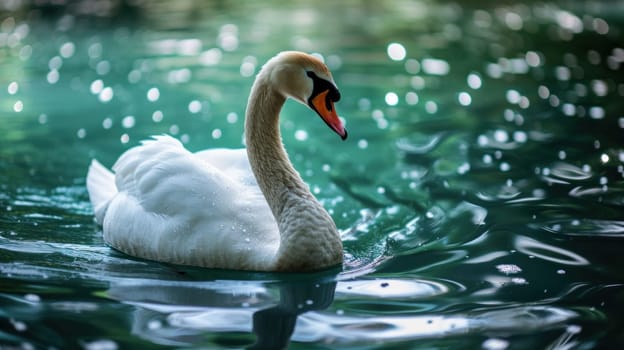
{"points": [[320, 85]]}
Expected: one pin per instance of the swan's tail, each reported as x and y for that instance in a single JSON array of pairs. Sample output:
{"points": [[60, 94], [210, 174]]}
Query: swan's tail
{"points": [[101, 187]]}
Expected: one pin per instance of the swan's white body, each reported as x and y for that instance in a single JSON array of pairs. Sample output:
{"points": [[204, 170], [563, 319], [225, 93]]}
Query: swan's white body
{"points": [[236, 209]]}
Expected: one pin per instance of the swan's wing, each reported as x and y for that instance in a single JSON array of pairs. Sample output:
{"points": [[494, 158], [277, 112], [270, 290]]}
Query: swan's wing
{"points": [[233, 162], [173, 206]]}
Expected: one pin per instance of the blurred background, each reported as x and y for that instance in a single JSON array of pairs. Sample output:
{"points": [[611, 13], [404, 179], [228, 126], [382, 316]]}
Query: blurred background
{"points": [[479, 194]]}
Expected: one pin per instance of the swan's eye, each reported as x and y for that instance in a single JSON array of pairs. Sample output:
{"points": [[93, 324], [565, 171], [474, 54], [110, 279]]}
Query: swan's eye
{"points": [[322, 85]]}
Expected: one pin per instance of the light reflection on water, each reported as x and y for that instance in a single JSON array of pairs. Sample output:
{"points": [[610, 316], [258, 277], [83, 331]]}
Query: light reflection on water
{"points": [[479, 198]]}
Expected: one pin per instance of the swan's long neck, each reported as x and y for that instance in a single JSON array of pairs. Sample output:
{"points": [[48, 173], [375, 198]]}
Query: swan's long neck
{"points": [[307, 232]]}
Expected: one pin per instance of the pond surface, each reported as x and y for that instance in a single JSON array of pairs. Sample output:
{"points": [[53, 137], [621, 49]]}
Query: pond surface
{"points": [[480, 194]]}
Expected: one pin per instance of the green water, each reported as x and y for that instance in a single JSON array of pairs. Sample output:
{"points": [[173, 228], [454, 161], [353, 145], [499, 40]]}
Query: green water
{"points": [[480, 194]]}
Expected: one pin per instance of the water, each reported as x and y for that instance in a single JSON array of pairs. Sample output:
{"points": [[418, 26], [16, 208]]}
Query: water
{"points": [[479, 195]]}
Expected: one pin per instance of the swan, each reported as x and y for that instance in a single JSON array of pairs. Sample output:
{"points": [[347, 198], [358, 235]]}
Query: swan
{"points": [[242, 209]]}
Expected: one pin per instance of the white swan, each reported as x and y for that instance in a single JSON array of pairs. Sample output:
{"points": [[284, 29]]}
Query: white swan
{"points": [[233, 209]]}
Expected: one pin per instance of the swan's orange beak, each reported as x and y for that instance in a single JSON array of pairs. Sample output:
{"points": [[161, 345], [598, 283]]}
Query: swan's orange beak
{"points": [[324, 106]]}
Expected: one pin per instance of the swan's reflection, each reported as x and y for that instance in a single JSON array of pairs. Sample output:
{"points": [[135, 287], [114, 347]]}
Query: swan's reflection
{"points": [[183, 313]]}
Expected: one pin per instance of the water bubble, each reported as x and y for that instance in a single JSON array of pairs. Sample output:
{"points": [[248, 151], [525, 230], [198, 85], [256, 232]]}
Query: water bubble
{"points": [[53, 77], [563, 73], [153, 94], [411, 98], [417, 82], [543, 92], [103, 67], [501, 136], [134, 76], [533, 59], [13, 88], [464, 99], [495, 344], [107, 123], [95, 50], [568, 109], [81, 133], [504, 167], [210, 57], [599, 87], [216, 134], [520, 136], [513, 21], [96, 86], [67, 50], [474, 81], [597, 112], [412, 66], [232, 117], [125, 138], [600, 26], [128, 122], [157, 116], [174, 129], [362, 144], [189, 47], [396, 52], [392, 99], [301, 135], [513, 96], [18, 106], [194, 106], [106, 94], [43, 118], [228, 37], [431, 107], [435, 66], [604, 158]]}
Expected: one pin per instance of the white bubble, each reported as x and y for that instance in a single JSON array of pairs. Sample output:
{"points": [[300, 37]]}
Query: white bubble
{"points": [[67, 50], [210, 57], [153, 94], [106, 94], [533, 59], [216, 134], [81, 133], [157, 116], [55, 63], [597, 112], [411, 98], [362, 144], [18, 106], [13, 88], [128, 122], [103, 67], [431, 107], [501, 136], [474, 81], [232, 117], [53, 77], [194, 106], [543, 92], [107, 123], [513, 96], [301, 135], [125, 138], [396, 52], [392, 99], [96, 86], [412, 66], [464, 99], [435, 66]]}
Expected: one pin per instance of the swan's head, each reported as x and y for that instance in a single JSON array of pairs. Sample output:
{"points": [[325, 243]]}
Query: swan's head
{"points": [[307, 80]]}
